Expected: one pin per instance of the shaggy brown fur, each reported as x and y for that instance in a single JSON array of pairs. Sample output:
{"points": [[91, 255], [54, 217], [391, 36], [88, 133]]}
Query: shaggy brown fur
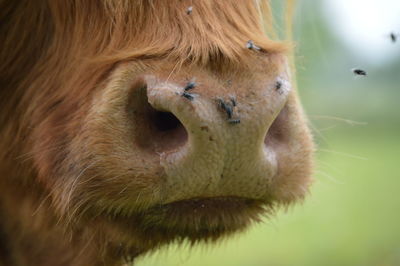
{"points": [[61, 202]]}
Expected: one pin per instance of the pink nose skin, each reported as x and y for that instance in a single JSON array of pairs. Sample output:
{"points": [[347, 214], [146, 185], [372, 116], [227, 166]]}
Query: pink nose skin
{"points": [[209, 142]]}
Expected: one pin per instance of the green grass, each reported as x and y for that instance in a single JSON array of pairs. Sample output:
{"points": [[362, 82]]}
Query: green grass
{"points": [[352, 216]]}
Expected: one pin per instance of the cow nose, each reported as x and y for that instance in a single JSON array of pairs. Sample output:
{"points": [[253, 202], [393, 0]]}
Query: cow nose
{"points": [[208, 145]]}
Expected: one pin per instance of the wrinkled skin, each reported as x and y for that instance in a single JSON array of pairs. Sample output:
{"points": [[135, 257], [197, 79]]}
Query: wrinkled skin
{"points": [[131, 161]]}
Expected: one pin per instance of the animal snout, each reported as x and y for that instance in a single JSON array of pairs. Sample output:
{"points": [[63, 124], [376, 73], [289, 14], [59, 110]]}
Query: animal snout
{"points": [[209, 143]]}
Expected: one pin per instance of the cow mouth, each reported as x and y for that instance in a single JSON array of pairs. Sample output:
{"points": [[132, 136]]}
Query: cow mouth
{"points": [[201, 215], [197, 219]]}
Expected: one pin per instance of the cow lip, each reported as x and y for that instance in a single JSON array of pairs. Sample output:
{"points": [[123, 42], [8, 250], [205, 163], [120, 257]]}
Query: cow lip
{"points": [[199, 206], [189, 216], [193, 219], [209, 202]]}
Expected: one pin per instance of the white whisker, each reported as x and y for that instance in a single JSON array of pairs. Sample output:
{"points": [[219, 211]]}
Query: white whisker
{"points": [[347, 121], [330, 177], [344, 154]]}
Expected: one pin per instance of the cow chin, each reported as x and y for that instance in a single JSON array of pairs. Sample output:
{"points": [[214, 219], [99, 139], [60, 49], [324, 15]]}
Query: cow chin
{"points": [[194, 220]]}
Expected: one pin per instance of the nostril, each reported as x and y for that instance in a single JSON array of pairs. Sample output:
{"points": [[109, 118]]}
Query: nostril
{"points": [[164, 131], [153, 130], [166, 121], [278, 132]]}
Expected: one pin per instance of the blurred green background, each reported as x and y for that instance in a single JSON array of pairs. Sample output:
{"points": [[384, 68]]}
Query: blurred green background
{"points": [[352, 215]]}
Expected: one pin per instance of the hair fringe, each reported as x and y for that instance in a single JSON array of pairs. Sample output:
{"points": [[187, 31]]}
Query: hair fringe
{"points": [[110, 30], [57, 37]]}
